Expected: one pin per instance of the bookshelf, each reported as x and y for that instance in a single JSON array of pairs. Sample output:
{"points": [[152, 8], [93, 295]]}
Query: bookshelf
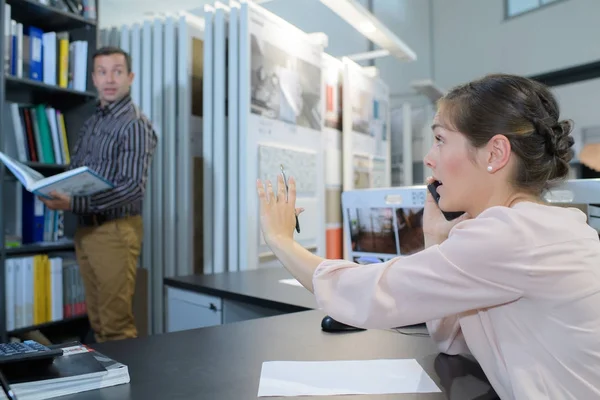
{"points": [[65, 101]]}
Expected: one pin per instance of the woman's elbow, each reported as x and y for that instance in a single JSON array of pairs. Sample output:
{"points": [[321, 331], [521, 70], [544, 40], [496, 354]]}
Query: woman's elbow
{"points": [[363, 316]]}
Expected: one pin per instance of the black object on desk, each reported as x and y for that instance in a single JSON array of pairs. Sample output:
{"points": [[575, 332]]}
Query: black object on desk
{"points": [[66, 366], [453, 370], [29, 351], [329, 324], [26, 355]]}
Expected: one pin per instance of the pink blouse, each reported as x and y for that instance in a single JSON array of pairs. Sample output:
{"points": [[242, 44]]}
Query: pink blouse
{"points": [[518, 287]]}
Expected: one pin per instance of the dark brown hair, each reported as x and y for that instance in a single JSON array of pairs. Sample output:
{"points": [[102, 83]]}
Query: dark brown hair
{"points": [[109, 51], [523, 110]]}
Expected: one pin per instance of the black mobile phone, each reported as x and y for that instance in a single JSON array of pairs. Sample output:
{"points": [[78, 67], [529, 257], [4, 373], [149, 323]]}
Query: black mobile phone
{"points": [[449, 215]]}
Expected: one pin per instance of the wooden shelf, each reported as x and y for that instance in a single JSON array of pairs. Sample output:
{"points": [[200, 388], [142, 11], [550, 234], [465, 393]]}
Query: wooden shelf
{"points": [[29, 249], [24, 90], [76, 318], [30, 12]]}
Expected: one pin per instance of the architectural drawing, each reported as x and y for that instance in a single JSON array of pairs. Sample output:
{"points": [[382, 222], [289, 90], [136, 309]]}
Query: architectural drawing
{"points": [[362, 171], [379, 173], [302, 165], [284, 86]]}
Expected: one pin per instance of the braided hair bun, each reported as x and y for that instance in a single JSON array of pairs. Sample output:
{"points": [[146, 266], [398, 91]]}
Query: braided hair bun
{"points": [[523, 110]]}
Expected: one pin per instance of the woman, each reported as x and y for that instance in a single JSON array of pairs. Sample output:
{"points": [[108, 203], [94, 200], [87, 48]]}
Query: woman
{"points": [[513, 281]]}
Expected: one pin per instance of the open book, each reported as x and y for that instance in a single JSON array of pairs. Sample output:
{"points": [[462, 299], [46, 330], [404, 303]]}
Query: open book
{"points": [[80, 181]]}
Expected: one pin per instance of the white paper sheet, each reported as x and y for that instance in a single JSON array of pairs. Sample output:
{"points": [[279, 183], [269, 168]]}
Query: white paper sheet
{"points": [[292, 282], [322, 378]]}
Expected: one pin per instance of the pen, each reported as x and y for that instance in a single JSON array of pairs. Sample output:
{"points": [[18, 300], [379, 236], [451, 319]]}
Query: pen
{"points": [[10, 395], [286, 192]]}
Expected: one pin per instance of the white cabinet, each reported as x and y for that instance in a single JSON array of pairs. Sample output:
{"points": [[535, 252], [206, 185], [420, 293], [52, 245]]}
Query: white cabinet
{"points": [[190, 310]]}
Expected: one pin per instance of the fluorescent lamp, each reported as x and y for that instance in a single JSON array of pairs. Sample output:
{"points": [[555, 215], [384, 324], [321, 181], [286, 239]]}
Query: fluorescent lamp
{"points": [[369, 55], [366, 23], [366, 27]]}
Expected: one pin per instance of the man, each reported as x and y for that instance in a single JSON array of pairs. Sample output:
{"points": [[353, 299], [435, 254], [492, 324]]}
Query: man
{"points": [[118, 142]]}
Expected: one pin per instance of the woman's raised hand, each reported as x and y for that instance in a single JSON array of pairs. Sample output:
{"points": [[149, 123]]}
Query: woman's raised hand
{"points": [[277, 212]]}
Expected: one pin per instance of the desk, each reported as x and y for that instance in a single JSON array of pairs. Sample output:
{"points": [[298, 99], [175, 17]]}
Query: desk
{"points": [[224, 362], [198, 301]]}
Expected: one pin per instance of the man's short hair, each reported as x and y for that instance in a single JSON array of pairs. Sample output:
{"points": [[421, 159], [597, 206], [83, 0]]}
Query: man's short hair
{"points": [[110, 50]]}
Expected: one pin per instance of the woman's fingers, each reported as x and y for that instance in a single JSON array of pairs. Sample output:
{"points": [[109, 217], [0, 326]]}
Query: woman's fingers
{"points": [[270, 193], [281, 196], [292, 190], [267, 196], [262, 196], [260, 189]]}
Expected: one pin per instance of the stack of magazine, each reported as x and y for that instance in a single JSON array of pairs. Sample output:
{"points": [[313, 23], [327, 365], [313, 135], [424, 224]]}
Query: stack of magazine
{"points": [[79, 369]]}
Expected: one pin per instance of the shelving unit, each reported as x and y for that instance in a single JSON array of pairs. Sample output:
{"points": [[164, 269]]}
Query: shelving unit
{"points": [[76, 106], [29, 249], [25, 90]]}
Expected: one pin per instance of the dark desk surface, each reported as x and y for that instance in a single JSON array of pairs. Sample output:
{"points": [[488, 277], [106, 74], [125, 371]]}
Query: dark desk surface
{"points": [[260, 287], [224, 362]]}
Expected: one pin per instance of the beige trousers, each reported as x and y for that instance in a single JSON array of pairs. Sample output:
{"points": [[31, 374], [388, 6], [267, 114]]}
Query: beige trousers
{"points": [[108, 257]]}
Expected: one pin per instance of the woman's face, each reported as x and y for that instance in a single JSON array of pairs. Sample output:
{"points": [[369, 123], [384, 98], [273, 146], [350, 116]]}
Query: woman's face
{"points": [[455, 164]]}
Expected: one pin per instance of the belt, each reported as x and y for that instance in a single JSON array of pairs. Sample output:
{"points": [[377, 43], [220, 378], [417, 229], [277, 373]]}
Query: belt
{"points": [[98, 219]]}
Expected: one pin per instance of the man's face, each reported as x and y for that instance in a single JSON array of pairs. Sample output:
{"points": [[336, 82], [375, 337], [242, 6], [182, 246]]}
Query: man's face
{"points": [[111, 77]]}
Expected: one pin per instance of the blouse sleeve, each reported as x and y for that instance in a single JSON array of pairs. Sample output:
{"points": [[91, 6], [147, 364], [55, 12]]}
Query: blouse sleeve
{"points": [[483, 263], [447, 334]]}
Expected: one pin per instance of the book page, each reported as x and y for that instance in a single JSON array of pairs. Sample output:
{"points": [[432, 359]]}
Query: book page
{"points": [[83, 183], [27, 176]]}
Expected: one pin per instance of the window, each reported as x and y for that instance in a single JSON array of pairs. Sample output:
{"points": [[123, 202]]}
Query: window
{"points": [[512, 8]]}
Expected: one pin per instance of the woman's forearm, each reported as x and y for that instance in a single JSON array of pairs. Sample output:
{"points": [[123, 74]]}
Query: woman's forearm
{"points": [[300, 262]]}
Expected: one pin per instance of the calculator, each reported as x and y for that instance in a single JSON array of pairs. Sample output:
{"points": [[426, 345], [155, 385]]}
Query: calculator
{"points": [[29, 351]]}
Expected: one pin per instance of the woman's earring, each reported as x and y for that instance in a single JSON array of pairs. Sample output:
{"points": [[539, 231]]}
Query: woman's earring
{"points": [[489, 168]]}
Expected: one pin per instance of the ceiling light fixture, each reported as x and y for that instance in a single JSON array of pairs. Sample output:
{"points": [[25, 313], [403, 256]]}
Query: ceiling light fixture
{"points": [[368, 55], [365, 22]]}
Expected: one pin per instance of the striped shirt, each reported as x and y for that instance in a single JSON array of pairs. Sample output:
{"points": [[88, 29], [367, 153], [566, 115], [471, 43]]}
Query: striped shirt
{"points": [[118, 143]]}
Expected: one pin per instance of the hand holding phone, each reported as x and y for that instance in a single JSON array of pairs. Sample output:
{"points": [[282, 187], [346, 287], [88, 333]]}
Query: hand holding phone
{"points": [[436, 196]]}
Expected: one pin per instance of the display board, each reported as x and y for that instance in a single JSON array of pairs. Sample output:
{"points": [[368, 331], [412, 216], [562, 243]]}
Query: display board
{"points": [[280, 109], [188, 125], [220, 151], [205, 229], [233, 136], [333, 70], [167, 60], [366, 129]]}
